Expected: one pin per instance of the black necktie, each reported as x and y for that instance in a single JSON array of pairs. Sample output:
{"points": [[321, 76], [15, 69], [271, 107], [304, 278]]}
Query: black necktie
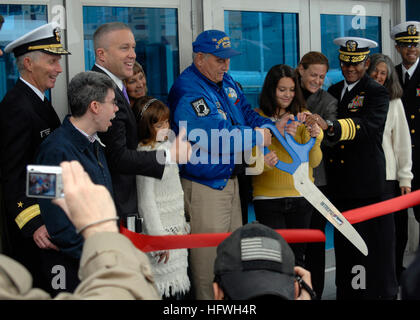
{"points": [[346, 93], [406, 79]]}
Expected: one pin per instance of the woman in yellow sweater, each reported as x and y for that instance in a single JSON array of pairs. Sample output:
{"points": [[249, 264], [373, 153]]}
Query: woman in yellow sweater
{"points": [[277, 203]]}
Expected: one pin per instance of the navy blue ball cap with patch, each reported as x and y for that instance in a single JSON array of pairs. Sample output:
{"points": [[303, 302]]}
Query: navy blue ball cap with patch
{"points": [[46, 38], [215, 42], [255, 261]]}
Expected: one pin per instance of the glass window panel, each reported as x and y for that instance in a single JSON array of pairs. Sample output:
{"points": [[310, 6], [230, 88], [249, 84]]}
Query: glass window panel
{"points": [[156, 34], [412, 12], [264, 39], [334, 26], [18, 20]]}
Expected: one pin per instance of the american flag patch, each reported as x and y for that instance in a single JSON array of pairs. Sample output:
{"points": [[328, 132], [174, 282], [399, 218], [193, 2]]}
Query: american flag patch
{"points": [[260, 248]]}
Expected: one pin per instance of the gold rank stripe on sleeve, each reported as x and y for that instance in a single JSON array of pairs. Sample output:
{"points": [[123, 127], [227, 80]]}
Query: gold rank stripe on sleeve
{"points": [[26, 215], [348, 129]]}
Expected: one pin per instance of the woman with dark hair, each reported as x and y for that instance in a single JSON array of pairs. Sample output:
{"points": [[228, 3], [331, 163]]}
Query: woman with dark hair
{"points": [[397, 148], [276, 201], [312, 70]]}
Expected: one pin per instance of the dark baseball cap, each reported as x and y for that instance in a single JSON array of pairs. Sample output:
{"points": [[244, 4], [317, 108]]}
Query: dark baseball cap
{"points": [[215, 42], [255, 261]]}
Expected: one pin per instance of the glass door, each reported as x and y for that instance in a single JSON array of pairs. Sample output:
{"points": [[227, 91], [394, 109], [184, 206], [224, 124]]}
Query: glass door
{"points": [[265, 32], [157, 27], [333, 19]]}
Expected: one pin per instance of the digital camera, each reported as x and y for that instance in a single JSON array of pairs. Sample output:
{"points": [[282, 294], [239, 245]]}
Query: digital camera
{"points": [[44, 182]]}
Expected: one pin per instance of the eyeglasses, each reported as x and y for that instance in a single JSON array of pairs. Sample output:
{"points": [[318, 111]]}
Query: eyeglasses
{"points": [[348, 64], [113, 102], [409, 44]]}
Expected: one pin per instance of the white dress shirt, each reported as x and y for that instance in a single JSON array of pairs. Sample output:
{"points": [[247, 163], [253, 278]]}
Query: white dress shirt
{"points": [[349, 86], [410, 70], [34, 89]]}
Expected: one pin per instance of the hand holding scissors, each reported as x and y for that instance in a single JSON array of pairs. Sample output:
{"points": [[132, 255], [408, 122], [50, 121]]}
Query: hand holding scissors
{"points": [[299, 169]]}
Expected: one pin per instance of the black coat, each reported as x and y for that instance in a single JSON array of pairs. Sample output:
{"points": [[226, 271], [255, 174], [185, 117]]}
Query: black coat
{"points": [[410, 280], [356, 166], [25, 122], [411, 102], [124, 161], [357, 174]]}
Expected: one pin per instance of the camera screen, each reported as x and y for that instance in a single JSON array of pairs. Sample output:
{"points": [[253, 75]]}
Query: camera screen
{"points": [[42, 184]]}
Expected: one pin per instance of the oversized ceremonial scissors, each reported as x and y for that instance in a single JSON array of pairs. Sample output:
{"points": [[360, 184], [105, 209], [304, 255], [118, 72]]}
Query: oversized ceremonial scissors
{"points": [[299, 169]]}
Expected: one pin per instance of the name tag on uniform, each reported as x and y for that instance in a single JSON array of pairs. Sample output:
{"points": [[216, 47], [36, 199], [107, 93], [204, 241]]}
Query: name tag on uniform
{"points": [[45, 132]]}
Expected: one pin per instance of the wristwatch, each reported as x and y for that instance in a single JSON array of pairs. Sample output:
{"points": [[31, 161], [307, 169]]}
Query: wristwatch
{"points": [[330, 129]]}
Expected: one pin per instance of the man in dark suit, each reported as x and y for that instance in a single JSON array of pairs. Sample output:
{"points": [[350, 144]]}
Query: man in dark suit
{"points": [[27, 118], [356, 175], [407, 43], [115, 56]]}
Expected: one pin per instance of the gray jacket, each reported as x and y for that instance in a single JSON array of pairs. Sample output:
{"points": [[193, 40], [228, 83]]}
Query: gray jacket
{"points": [[325, 105], [111, 268]]}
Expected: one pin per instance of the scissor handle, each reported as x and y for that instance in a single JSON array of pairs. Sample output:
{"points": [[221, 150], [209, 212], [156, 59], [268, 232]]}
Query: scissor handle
{"points": [[297, 151], [302, 149]]}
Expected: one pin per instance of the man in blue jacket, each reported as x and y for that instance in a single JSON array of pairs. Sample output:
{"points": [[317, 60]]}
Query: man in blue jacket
{"points": [[217, 116], [92, 103]]}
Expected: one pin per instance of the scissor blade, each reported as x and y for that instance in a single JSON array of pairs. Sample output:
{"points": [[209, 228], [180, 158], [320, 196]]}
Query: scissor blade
{"points": [[311, 193]]}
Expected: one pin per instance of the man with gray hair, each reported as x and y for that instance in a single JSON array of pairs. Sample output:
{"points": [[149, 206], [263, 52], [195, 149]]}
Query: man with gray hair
{"points": [[92, 103], [27, 119]]}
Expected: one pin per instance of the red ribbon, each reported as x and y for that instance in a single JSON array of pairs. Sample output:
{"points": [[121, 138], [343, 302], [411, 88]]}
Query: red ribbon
{"points": [[382, 208], [148, 243]]}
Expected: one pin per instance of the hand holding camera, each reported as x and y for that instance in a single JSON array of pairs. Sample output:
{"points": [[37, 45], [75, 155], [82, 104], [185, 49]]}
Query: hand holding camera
{"points": [[89, 206]]}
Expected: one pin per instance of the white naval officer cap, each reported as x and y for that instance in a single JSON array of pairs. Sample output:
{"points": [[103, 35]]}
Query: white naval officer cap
{"points": [[45, 38], [406, 32], [354, 49]]}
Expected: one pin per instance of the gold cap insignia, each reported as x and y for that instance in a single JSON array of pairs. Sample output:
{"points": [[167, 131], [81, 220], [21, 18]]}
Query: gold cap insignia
{"points": [[57, 33], [412, 30], [351, 45]]}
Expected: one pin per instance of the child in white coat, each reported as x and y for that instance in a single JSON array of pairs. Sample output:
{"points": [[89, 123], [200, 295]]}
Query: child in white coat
{"points": [[161, 202]]}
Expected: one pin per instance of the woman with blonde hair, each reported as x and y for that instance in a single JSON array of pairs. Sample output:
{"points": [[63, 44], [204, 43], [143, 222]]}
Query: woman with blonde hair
{"points": [[136, 84]]}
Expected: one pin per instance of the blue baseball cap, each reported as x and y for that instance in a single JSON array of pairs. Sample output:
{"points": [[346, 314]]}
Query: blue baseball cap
{"points": [[215, 42]]}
